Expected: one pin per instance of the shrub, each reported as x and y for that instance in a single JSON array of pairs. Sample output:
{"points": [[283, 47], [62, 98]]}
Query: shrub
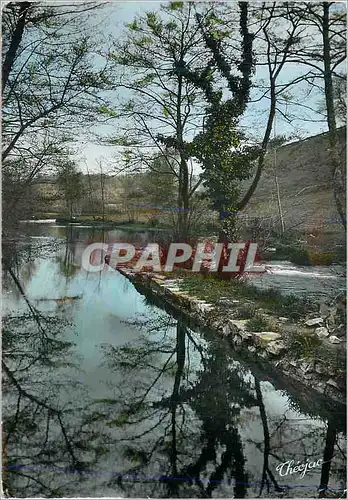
{"points": [[299, 256], [321, 258], [246, 311], [153, 222], [258, 324], [302, 344]]}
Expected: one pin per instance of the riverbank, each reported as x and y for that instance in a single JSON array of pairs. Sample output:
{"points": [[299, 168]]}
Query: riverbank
{"points": [[293, 246], [294, 336]]}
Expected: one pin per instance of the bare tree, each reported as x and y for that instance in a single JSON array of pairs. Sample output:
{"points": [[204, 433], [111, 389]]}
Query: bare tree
{"points": [[51, 86]]}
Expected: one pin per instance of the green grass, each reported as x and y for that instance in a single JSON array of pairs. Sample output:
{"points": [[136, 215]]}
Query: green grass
{"points": [[211, 289], [245, 311], [258, 324], [302, 344]]}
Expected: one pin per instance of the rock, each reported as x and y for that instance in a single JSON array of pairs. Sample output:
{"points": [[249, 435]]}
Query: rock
{"points": [[334, 340], [202, 306], [226, 330], [320, 386], [267, 336], [216, 325], [224, 301], [322, 332], [314, 321], [276, 347], [251, 348], [283, 319], [319, 369], [245, 335], [333, 383], [306, 367], [159, 277], [237, 340], [340, 331], [239, 323]]}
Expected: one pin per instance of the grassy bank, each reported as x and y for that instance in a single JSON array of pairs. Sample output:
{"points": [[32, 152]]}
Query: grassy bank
{"points": [[97, 220], [252, 320], [290, 247], [217, 291]]}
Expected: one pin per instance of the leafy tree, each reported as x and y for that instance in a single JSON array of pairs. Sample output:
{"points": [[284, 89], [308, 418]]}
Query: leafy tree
{"points": [[228, 161], [165, 66], [281, 38], [161, 109], [160, 183], [340, 97], [71, 186]]}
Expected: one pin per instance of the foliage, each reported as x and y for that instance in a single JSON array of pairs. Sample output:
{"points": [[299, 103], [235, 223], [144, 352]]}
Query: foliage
{"points": [[302, 344], [211, 289], [70, 185], [160, 108], [340, 96], [159, 183], [219, 146], [294, 253], [258, 324], [246, 311], [167, 106]]}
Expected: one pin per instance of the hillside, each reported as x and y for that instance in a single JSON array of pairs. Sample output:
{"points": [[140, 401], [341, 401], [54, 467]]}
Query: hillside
{"points": [[303, 172]]}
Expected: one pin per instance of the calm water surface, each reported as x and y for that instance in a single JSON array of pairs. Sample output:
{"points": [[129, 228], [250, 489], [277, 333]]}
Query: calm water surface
{"points": [[107, 394]]}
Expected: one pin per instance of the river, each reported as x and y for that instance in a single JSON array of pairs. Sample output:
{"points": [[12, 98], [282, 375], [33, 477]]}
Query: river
{"points": [[107, 393]]}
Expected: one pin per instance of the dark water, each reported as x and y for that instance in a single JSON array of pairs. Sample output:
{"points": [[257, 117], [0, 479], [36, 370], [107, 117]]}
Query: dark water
{"points": [[109, 395]]}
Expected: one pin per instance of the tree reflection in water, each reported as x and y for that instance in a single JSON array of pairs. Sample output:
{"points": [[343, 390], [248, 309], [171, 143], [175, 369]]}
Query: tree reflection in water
{"points": [[198, 413]]}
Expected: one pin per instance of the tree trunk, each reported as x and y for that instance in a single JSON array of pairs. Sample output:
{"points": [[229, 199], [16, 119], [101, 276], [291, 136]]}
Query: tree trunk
{"points": [[185, 200], [328, 454], [266, 472], [261, 161], [102, 190], [183, 194], [173, 486], [337, 171], [14, 43], [280, 209]]}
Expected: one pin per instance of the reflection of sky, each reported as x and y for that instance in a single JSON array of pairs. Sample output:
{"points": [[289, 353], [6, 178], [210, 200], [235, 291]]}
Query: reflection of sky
{"points": [[99, 317]]}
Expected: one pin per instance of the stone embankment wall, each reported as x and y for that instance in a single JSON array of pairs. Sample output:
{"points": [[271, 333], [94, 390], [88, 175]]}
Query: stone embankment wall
{"points": [[271, 347]]}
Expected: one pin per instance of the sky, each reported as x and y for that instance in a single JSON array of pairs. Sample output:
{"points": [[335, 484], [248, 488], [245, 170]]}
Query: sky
{"points": [[112, 19]]}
